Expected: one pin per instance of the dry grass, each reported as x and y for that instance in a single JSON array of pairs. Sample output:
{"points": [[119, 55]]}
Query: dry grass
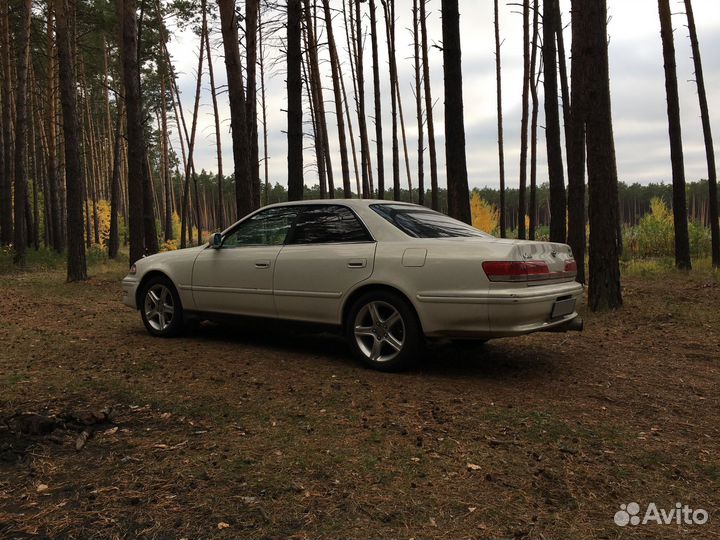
{"points": [[277, 433]]}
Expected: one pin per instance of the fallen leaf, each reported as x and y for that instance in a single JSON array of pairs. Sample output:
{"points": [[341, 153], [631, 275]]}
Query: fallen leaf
{"points": [[81, 440], [222, 525], [471, 509], [42, 487], [473, 467], [111, 431]]}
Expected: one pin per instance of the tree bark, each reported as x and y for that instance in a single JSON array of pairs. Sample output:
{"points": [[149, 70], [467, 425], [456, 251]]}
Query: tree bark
{"points": [[418, 103], [456, 161], [114, 236], [76, 263], [682, 242], [294, 94], [707, 135], [501, 150], [432, 152], [252, 8], [389, 9], [362, 122], [135, 132], [378, 103], [338, 95], [238, 111], [527, 79], [219, 212], [6, 201], [534, 82], [575, 120], [190, 165], [604, 290], [558, 202], [20, 237], [318, 100]]}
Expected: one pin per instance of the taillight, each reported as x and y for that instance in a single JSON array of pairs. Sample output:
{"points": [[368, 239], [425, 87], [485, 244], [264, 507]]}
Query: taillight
{"points": [[571, 267], [516, 270]]}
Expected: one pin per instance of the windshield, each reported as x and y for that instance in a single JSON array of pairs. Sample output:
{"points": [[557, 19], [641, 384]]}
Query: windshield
{"points": [[420, 222]]}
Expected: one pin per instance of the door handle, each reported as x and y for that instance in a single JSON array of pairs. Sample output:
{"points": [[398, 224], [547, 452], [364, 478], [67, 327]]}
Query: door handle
{"points": [[262, 264], [357, 263]]}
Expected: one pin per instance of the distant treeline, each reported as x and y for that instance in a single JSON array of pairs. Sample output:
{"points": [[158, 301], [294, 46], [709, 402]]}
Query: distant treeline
{"points": [[634, 199]]}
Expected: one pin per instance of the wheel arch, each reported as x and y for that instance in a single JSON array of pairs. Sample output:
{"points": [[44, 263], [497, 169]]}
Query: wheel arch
{"points": [[371, 287]]}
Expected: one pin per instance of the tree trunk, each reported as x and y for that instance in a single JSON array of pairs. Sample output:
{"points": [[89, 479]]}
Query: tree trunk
{"points": [[261, 50], [294, 94], [456, 161], [338, 94], [190, 166], [501, 150], [558, 203], [389, 9], [534, 82], [114, 236], [252, 8], [378, 103], [76, 264], [135, 133], [319, 100], [527, 79], [404, 140], [6, 201], [435, 203], [219, 213], [682, 242], [238, 111], [707, 134], [20, 238], [575, 120], [362, 123], [317, 137], [418, 104], [604, 291], [352, 51]]}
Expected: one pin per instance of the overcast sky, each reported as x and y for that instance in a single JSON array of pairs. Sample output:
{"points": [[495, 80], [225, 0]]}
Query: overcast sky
{"points": [[637, 86]]}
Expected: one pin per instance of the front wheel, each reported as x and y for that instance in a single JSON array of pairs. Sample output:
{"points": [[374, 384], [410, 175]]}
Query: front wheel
{"points": [[384, 331], [161, 309]]}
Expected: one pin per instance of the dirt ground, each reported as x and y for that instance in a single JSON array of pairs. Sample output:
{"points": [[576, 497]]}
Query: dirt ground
{"points": [[268, 431]]}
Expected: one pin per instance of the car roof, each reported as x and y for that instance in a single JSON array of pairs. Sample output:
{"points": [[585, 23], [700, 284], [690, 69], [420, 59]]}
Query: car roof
{"points": [[351, 203]]}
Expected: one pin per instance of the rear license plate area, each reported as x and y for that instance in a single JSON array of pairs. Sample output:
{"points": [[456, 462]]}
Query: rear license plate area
{"points": [[562, 308]]}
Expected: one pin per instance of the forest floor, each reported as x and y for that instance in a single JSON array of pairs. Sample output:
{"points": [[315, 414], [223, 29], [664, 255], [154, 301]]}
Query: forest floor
{"points": [[273, 432]]}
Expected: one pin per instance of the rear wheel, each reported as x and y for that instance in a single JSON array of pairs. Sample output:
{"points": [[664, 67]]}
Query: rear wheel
{"points": [[383, 331], [161, 309]]}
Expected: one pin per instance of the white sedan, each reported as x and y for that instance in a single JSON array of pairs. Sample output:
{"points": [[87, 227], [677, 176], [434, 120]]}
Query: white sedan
{"points": [[390, 274]]}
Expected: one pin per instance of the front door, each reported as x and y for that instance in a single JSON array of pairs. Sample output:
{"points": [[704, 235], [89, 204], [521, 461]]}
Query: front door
{"points": [[237, 278]]}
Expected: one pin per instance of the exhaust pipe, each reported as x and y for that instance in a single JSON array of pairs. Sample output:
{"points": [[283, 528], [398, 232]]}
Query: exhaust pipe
{"points": [[573, 325]]}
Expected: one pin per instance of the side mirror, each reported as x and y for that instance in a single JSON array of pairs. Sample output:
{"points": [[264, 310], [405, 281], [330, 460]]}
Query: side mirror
{"points": [[216, 240]]}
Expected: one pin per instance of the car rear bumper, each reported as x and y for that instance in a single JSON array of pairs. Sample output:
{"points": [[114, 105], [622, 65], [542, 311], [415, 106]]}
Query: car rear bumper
{"points": [[129, 287], [497, 313]]}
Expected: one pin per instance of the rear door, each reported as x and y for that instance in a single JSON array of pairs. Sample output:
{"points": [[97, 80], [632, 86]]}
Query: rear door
{"points": [[237, 278], [327, 253]]}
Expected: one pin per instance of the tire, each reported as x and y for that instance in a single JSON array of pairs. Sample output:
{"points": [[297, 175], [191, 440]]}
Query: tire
{"points": [[159, 291], [383, 331]]}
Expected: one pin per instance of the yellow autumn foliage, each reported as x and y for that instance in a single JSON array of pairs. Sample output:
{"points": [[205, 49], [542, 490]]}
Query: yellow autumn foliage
{"points": [[484, 215]]}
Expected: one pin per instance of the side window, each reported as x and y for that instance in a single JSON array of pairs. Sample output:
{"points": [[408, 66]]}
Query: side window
{"points": [[328, 223], [266, 228]]}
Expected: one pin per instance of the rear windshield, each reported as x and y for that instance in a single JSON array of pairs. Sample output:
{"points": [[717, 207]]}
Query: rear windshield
{"points": [[420, 222]]}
